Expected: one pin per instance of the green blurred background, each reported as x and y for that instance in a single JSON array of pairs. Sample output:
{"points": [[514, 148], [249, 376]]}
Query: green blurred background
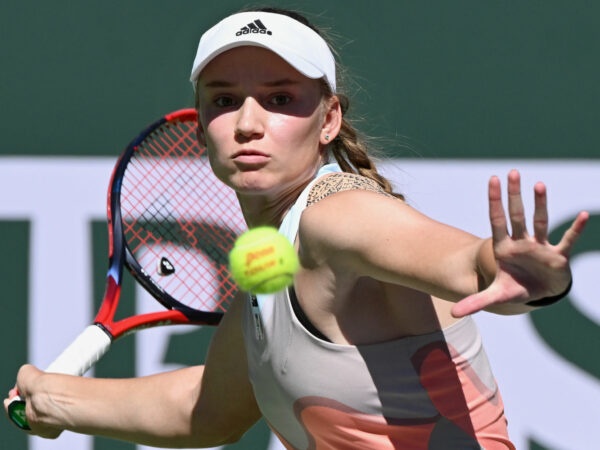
{"points": [[501, 79]]}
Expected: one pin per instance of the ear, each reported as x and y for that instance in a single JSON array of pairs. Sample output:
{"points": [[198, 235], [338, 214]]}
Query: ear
{"points": [[332, 120]]}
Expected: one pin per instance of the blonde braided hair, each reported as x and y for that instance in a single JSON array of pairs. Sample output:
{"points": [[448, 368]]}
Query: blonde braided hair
{"points": [[351, 152]]}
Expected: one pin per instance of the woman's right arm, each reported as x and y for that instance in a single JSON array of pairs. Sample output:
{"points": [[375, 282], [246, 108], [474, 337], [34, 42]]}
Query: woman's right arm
{"points": [[202, 406]]}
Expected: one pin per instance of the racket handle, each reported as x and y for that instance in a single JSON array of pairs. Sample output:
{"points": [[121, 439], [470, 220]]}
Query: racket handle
{"points": [[76, 359]]}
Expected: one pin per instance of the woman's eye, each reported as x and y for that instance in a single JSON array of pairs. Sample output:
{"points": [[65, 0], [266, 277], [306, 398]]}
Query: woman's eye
{"points": [[280, 100], [224, 101]]}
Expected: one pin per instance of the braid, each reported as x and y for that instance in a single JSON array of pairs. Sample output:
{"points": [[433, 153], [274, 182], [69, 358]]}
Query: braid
{"points": [[351, 153]]}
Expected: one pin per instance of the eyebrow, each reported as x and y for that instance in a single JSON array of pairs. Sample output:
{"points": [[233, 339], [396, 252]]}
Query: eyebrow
{"points": [[274, 83]]}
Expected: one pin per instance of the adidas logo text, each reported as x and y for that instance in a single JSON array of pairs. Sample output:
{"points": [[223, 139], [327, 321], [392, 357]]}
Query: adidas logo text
{"points": [[254, 27]]}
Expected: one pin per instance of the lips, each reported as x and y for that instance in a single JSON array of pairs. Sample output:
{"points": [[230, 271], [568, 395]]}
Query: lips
{"points": [[250, 157]]}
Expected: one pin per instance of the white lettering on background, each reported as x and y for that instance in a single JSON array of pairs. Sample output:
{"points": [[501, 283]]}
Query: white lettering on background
{"points": [[545, 397]]}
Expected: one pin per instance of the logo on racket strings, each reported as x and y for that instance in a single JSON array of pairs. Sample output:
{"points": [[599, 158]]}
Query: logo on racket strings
{"points": [[165, 268]]}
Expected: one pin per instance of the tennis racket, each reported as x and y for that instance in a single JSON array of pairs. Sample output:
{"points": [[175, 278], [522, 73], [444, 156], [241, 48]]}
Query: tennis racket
{"points": [[171, 223]]}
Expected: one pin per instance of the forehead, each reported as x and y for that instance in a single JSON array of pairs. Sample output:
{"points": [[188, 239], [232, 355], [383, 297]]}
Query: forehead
{"points": [[249, 62]]}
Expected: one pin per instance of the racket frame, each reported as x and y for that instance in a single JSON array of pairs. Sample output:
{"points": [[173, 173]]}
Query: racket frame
{"points": [[96, 339]]}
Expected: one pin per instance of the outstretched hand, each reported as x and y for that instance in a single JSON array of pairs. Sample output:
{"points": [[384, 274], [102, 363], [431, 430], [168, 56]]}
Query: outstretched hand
{"points": [[528, 266]]}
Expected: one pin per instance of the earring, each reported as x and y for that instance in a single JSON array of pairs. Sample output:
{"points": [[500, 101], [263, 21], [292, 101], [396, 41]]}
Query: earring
{"points": [[326, 137]]}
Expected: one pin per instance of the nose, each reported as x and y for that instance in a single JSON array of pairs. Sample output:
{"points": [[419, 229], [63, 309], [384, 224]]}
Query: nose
{"points": [[249, 122]]}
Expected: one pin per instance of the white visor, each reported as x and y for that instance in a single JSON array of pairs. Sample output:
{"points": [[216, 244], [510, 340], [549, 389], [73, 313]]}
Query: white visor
{"points": [[293, 41]]}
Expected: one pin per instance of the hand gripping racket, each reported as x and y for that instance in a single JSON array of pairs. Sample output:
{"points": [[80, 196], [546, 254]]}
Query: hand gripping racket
{"points": [[171, 223]]}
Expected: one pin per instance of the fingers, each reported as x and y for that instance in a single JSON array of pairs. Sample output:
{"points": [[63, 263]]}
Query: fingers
{"points": [[11, 394], [572, 234], [540, 214], [472, 304], [516, 211], [496, 210]]}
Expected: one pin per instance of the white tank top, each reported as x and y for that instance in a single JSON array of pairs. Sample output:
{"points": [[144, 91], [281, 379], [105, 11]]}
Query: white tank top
{"points": [[433, 391]]}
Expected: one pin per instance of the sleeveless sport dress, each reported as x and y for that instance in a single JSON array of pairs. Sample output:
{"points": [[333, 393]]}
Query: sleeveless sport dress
{"points": [[433, 391]]}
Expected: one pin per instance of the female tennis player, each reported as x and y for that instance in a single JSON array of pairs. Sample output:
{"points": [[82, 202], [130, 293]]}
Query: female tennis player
{"points": [[374, 346]]}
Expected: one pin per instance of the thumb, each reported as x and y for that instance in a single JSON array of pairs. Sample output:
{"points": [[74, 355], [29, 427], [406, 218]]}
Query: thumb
{"points": [[472, 304]]}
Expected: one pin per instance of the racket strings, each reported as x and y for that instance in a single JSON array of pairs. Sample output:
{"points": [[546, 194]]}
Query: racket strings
{"points": [[180, 222]]}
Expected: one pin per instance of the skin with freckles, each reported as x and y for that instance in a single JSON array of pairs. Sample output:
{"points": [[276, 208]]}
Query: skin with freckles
{"points": [[267, 122], [373, 268]]}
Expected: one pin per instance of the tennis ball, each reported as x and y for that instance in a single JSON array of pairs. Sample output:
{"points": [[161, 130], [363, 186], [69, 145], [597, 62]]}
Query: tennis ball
{"points": [[263, 261]]}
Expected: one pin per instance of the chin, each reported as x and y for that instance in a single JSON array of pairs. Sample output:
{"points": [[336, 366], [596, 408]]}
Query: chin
{"points": [[249, 182]]}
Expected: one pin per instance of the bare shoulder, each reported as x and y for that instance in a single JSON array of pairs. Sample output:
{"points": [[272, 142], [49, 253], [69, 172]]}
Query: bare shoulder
{"points": [[343, 211], [344, 197], [342, 181]]}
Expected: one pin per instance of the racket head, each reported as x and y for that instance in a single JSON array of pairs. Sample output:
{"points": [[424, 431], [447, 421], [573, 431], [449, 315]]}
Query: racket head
{"points": [[172, 223]]}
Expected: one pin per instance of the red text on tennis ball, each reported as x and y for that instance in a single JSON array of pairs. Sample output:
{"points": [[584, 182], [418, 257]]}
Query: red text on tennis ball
{"points": [[263, 261]]}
